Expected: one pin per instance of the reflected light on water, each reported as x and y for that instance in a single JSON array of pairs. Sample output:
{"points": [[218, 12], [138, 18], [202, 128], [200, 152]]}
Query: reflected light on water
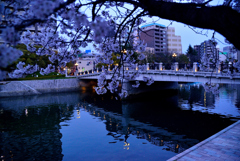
{"points": [[156, 129]]}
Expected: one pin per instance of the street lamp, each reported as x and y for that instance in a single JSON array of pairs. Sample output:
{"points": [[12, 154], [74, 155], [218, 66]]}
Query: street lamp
{"points": [[76, 64], [174, 56], [124, 51]]}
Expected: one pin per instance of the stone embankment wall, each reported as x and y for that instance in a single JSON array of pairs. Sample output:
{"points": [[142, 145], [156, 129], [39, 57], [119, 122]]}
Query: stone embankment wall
{"points": [[32, 87]]}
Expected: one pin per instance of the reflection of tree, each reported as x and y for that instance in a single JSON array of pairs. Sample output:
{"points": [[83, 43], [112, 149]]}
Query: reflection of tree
{"points": [[34, 135], [163, 114], [196, 94], [154, 121]]}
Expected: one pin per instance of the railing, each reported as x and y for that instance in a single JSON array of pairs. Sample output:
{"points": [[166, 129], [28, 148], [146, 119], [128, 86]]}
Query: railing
{"points": [[174, 67]]}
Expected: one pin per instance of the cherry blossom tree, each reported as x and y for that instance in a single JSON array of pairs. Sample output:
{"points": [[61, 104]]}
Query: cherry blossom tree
{"points": [[67, 25]]}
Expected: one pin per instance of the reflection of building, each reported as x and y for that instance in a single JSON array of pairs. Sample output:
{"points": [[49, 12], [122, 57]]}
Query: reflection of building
{"points": [[195, 94], [38, 137], [174, 44], [155, 35]]}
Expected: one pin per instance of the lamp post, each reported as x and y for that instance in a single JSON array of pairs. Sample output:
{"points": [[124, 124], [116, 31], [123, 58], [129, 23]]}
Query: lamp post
{"points": [[76, 64], [124, 51], [174, 56]]}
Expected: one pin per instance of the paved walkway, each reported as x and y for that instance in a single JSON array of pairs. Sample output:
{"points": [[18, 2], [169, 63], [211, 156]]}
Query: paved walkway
{"points": [[223, 146]]}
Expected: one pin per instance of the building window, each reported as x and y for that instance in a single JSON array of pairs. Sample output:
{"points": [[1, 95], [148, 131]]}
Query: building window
{"points": [[157, 45], [156, 34], [157, 41], [157, 49]]}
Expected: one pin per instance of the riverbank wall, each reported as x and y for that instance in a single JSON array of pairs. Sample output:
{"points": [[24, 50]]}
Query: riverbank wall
{"points": [[35, 87]]}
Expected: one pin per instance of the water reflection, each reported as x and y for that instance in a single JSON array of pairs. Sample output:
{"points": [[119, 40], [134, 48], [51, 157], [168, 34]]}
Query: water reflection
{"points": [[50, 127], [30, 126], [226, 103]]}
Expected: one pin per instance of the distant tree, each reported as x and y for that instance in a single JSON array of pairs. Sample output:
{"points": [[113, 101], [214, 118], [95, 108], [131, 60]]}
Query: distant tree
{"points": [[182, 59], [192, 54], [29, 58], [164, 58], [114, 58]]}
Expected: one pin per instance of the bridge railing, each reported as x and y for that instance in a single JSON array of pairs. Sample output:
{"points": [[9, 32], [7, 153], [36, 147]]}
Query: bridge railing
{"points": [[175, 67]]}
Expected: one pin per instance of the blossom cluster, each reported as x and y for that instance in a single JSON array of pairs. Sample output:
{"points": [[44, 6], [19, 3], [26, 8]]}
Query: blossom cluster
{"points": [[50, 68], [22, 71], [8, 55], [66, 27]]}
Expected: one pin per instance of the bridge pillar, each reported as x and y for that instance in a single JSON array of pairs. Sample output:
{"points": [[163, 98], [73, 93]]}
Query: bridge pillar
{"points": [[160, 66], [219, 68], [176, 66], [195, 67], [66, 72], [147, 66], [230, 67], [136, 66]]}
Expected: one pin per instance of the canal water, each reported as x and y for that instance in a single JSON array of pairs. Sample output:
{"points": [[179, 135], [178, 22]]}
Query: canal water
{"points": [[84, 126]]}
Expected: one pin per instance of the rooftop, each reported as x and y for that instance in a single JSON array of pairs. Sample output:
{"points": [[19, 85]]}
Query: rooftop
{"points": [[151, 24], [224, 53]]}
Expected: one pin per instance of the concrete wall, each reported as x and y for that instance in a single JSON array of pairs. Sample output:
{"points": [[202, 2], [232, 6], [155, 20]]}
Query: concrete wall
{"points": [[32, 87]]}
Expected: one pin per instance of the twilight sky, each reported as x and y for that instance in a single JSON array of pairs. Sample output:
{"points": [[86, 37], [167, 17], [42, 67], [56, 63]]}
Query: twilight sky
{"points": [[188, 36]]}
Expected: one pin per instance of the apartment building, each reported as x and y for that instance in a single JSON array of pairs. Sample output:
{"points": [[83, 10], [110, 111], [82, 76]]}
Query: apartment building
{"points": [[174, 44], [209, 47], [155, 35], [231, 53]]}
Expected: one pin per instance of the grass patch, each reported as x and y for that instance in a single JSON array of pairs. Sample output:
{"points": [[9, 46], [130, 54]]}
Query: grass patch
{"points": [[38, 76]]}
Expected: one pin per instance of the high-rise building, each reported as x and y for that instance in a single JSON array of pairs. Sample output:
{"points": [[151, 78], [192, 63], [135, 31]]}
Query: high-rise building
{"points": [[231, 52], [227, 49], [174, 44], [155, 35], [209, 47]]}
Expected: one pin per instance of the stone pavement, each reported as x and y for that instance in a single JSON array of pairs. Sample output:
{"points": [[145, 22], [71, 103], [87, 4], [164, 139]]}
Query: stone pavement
{"points": [[223, 146]]}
